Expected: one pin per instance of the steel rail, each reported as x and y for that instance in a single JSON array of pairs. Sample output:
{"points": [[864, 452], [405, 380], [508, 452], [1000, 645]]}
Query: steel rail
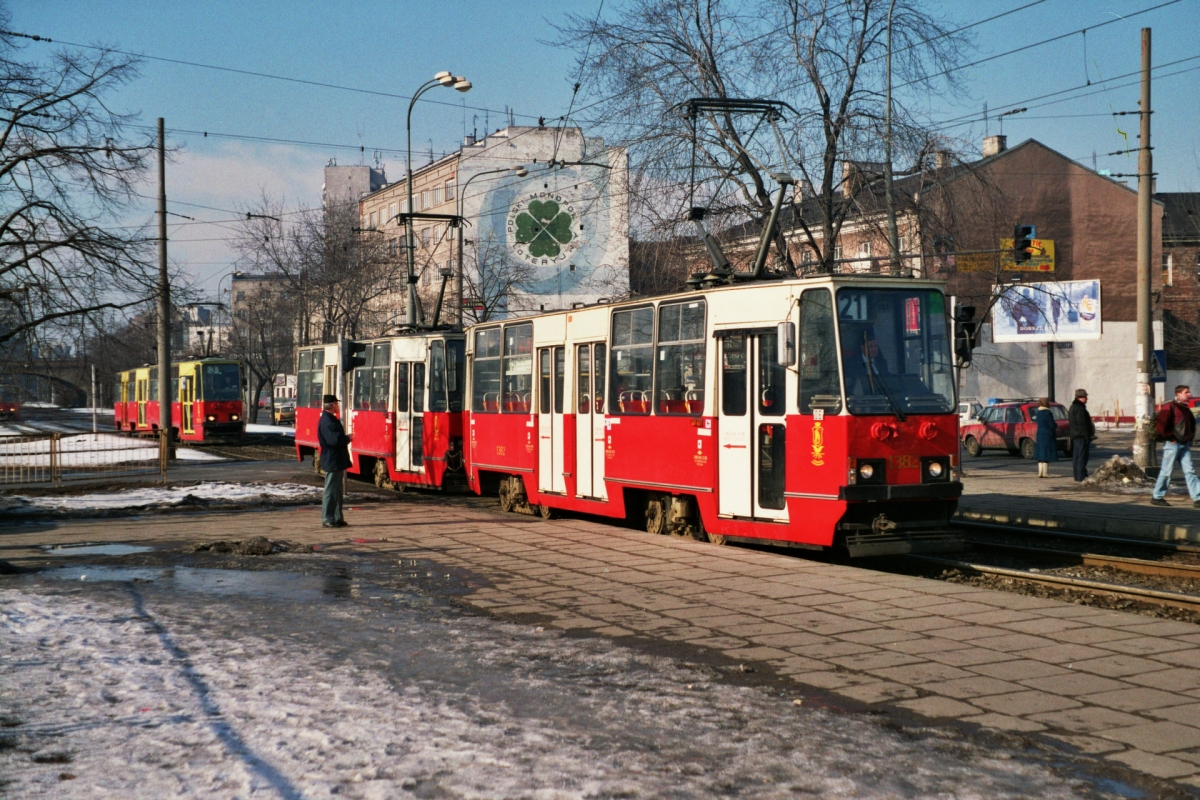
{"points": [[1139, 566], [1189, 602]]}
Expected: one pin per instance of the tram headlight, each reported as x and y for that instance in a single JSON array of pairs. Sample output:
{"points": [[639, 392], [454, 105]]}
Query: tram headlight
{"points": [[211, 418], [866, 472], [233, 417], [935, 469]]}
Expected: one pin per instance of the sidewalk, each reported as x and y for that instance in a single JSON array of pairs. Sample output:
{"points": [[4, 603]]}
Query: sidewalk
{"points": [[1117, 686], [1005, 489]]}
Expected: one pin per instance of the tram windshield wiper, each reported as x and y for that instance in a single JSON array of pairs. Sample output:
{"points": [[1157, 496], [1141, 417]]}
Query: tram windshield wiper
{"points": [[873, 377]]}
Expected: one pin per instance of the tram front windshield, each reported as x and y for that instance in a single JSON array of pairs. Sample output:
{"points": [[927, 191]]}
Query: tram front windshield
{"points": [[895, 351], [221, 382]]}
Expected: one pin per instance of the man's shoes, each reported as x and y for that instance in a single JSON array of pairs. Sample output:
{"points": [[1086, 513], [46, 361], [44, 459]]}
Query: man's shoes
{"points": [[328, 525], [341, 523], [1160, 501]]}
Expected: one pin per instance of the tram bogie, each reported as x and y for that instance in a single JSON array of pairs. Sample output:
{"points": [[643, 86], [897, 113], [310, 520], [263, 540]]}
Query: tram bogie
{"points": [[206, 400]]}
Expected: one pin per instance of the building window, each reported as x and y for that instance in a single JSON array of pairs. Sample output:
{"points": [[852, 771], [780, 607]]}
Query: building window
{"points": [[864, 249], [393, 210], [241, 295], [1198, 265], [1167, 269], [425, 199], [425, 237], [404, 206], [450, 189], [437, 195]]}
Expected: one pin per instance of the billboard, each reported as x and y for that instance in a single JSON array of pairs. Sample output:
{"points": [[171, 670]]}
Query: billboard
{"points": [[1060, 311]]}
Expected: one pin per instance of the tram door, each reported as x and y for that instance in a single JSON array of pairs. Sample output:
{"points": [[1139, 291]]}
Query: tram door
{"points": [[142, 389], [409, 402], [589, 421], [751, 430], [552, 372], [187, 398]]}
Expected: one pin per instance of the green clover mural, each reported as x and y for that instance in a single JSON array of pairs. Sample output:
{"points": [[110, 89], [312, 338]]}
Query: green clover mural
{"points": [[544, 228]]}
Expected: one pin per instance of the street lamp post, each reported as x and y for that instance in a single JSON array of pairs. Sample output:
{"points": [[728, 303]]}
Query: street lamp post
{"points": [[893, 235], [519, 171], [412, 309]]}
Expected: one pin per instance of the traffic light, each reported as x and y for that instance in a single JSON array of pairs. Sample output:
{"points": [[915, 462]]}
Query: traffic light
{"points": [[1023, 236], [966, 328], [351, 357]]}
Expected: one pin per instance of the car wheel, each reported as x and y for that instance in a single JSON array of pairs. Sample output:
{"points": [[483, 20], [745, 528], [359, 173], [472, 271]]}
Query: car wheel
{"points": [[1065, 449], [1027, 449], [973, 447]]}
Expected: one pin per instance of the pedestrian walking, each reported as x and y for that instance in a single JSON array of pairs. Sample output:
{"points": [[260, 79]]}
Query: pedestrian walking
{"points": [[1176, 427], [335, 459], [1046, 446], [1082, 431]]}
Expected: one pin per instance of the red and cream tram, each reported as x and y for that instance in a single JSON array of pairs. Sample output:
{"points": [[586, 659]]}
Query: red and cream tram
{"points": [[405, 409], [206, 405], [813, 412]]}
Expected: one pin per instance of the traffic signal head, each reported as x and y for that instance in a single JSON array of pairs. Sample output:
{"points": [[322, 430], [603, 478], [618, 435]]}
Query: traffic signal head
{"points": [[1023, 236], [966, 328], [352, 354]]}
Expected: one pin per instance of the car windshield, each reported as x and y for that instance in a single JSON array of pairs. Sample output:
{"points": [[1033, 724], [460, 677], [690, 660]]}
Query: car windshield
{"points": [[895, 351], [221, 382]]}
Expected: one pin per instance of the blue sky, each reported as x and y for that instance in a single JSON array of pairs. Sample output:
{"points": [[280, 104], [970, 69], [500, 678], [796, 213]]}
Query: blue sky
{"points": [[502, 48]]}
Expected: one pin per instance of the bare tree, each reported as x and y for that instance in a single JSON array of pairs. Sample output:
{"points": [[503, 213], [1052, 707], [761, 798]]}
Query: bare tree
{"points": [[492, 282], [823, 58], [69, 170], [263, 339]]}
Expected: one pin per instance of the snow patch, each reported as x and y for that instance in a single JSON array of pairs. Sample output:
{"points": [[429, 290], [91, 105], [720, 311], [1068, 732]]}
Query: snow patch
{"points": [[208, 493], [276, 429]]}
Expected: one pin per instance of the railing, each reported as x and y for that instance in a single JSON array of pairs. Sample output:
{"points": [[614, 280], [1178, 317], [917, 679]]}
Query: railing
{"points": [[58, 458]]}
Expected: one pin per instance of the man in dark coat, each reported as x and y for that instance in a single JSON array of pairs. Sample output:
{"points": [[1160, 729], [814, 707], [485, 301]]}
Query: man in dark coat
{"points": [[335, 459], [1082, 431], [1176, 427]]}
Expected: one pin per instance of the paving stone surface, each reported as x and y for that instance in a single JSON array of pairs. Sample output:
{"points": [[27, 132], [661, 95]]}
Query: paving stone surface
{"points": [[945, 651]]}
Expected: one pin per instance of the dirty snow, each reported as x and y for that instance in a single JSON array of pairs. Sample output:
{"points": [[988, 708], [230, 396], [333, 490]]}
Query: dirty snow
{"points": [[286, 686], [90, 450], [208, 493], [277, 429], [99, 411]]}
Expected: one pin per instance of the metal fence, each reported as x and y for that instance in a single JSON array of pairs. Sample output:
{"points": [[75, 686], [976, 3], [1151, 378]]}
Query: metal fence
{"points": [[58, 458]]}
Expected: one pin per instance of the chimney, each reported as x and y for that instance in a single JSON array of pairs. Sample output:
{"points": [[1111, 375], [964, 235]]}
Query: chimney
{"points": [[851, 179], [942, 159], [468, 140], [994, 144], [806, 189]]}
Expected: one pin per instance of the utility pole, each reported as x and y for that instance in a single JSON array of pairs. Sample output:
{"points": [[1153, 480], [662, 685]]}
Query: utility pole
{"points": [[893, 235], [1143, 440], [94, 425], [1050, 370], [164, 296]]}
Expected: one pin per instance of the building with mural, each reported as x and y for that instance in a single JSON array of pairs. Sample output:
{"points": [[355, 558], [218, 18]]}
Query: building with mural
{"points": [[546, 224]]}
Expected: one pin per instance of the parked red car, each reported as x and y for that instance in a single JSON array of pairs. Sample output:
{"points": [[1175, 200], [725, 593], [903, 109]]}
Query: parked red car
{"points": [[1012, 426]]}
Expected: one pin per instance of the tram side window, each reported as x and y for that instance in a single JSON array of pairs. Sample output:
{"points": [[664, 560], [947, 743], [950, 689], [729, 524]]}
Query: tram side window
{"points": [[819, 385], [382, 356], [679, 378], [733, 375], [153, 398], [485, 372], [437, 376], [455, 373], [518, 368], [362, 383], [632, 367], [598, 378], [303, 377], [418, 388]]}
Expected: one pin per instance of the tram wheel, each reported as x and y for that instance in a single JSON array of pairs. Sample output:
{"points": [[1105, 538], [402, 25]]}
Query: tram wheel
{"points": [[973, 447], [656, 516], [507, 501], [545, 512]]}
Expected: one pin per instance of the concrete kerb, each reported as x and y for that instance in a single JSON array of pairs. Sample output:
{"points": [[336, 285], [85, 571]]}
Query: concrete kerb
{"points": [[1040, 522]]}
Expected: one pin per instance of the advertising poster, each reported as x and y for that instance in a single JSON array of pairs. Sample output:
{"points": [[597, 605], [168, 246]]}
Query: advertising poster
{"points": [[1061, 311]]}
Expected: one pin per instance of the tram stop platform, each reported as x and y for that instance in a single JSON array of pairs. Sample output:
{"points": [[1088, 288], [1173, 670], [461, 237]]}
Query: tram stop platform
{"points": [[1002, 489]]}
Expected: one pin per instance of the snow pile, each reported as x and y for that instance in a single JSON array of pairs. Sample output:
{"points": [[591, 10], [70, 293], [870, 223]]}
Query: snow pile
{"points": [[141, 690], [279, 430], [99, 411], [1119, 472], [209, 494], [89, 450]]}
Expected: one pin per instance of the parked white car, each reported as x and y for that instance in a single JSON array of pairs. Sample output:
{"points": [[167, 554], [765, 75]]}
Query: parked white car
{"points": [[968, 411]]}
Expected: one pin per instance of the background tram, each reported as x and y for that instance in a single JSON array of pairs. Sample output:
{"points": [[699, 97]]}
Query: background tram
{"points": [[207, 402], [404, 407], [816, 412]]}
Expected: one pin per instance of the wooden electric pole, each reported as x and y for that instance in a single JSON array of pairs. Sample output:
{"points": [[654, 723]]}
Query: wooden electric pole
{"points": [[164, 294], [1143, 440]]}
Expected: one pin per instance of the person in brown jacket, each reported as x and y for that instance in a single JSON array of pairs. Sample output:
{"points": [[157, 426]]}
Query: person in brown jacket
{"points": [[1176, 427]]}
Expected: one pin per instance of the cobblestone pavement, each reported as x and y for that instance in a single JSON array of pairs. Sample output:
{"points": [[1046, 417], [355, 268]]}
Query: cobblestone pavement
{"points": [[1120, 686]]}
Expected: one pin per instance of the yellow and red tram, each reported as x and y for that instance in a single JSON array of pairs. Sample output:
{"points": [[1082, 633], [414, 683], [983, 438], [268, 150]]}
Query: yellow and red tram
{"points": [[206, 400]]}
